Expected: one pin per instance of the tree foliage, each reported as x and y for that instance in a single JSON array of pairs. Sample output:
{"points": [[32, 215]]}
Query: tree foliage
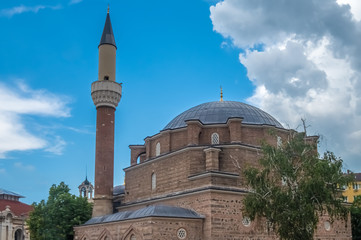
{"points": [[294, 186], [356, 219], [55, 218]]}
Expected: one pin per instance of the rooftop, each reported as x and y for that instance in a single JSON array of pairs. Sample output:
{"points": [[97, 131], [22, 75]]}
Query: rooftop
{"points": [[219, 112], [6, 192], [150, 211]]}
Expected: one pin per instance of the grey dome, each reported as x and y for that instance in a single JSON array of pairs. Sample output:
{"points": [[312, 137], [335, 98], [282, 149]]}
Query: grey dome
{"points": [[219, 112]]}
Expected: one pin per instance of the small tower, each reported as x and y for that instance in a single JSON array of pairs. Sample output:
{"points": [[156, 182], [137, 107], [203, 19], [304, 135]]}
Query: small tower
{"points": [[86, 190], [106, 94]]}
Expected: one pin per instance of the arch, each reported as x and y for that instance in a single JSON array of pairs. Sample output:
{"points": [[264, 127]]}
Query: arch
{"points": [[157, 149], [132, 231], [215, 138], [85, 237], [154, 181], [139, 157], [18, 234], [105, 235], [9, 216]]}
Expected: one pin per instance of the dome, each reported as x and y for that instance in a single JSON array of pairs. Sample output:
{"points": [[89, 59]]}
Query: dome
{"points": [[219, 112]]}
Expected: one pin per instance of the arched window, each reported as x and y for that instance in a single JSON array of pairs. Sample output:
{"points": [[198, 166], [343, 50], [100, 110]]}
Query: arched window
{"points": [[215, 138], [279, 142], [157, 149], [154, 181]]}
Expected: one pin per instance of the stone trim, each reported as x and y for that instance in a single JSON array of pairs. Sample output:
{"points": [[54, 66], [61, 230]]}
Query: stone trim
{"points": [[214, 174], [106, 93], [199, 147], [237, 191]]}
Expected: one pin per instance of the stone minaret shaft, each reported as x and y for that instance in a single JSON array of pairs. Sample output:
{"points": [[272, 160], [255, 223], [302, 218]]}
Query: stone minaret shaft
{"points": [[106, 94]]}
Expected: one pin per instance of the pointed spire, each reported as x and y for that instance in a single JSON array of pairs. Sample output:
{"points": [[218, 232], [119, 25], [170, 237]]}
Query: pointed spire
{"points": [[107, 36], [221, 95]]}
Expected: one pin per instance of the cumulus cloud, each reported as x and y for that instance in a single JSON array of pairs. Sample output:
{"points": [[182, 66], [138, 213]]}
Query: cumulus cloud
{"points": [[22, 101], [9, 12], [303, 58]]}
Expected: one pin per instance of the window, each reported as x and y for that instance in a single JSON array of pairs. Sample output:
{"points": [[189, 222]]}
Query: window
{"points": [[246, 221], [356, 186], [133, 237], [157, 149], [215, 138], [344, 198], [154, 181], [106, 77], [279, 142], [327, 225], [181, 233]]}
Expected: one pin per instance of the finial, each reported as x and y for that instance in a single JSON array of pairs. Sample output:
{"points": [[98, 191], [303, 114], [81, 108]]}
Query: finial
{"points": [[221, 95], [108, 9]]}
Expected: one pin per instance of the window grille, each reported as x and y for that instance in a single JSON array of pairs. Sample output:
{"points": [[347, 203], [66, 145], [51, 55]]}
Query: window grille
{"points": [[215, 138], [181, 233]]}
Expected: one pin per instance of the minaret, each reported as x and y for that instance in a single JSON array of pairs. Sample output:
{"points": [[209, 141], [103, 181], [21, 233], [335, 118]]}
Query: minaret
{"points": [[106, 94]]}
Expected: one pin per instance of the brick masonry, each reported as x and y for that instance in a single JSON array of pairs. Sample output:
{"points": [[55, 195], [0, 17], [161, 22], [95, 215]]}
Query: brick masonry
{"points": [[194, 174]]}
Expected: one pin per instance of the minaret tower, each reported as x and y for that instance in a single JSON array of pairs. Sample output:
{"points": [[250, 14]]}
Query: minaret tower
{"points": [[106, 94]]}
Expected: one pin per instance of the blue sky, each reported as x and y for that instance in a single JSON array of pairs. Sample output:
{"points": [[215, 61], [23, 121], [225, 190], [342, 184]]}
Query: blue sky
{"points": [[172, 55]]}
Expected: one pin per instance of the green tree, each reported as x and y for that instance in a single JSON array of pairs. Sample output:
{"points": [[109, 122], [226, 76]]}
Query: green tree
{"points": [[356, 219], [55, 218], [294, 186]]}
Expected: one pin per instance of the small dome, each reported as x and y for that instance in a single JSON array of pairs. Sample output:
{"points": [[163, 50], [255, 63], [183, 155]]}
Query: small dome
{"points": [[219, 112]]}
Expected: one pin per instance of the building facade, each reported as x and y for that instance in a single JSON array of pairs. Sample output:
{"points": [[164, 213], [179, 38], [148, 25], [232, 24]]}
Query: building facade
{"points": [[187, 182], [352, 190], [13, 214]]}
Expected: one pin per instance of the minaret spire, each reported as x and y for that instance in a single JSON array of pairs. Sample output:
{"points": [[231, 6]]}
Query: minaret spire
{"points": [[107, 36]]}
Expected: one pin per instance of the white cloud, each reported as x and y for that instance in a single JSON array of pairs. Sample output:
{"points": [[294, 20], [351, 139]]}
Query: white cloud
{"points": [[355, 6], [23, 9], [57, 146], [18, 102], [303, 58], [23, 167]]}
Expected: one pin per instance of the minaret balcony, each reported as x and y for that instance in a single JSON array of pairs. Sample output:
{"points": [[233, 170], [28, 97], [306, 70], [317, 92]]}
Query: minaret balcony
{"points": [[106, 93]]}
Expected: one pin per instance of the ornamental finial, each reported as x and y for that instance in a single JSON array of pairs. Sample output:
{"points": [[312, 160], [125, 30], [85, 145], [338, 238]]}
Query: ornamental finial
{"points": [[108, 9], [221, 95]]}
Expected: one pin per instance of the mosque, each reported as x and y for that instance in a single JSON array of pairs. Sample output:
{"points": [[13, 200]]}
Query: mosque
{"points": [[185, 182]]}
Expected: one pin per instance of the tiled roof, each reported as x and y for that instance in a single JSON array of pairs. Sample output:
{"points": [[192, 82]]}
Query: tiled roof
{"points": [[150, 211], [18, 208], [219, 112]]}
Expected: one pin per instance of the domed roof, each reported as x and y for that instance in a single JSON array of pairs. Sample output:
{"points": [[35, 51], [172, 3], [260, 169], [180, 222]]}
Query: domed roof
{"points": [[220, 111]]}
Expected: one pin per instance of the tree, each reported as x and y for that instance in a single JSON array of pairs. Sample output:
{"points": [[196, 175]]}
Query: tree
{"points": [[294, 186], [356, 219], [55, 218]]}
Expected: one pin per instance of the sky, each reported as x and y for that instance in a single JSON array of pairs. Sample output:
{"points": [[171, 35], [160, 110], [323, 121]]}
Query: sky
{"points": [[293, 59]]}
